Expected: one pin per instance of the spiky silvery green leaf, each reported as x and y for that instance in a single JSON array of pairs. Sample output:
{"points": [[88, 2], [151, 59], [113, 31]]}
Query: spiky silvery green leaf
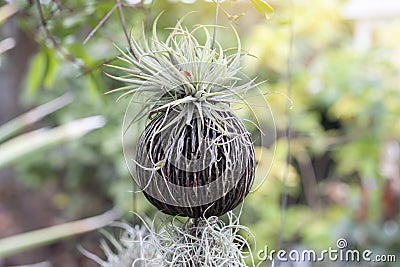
{"points": [[170, 243], [182, 70]]}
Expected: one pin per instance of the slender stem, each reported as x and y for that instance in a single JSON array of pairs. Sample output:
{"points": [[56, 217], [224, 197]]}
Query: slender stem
{"points": [[53, 40], [288, 129], [134, 203], [148, 12], [122, 19], [102, 21], [88, 70], [215, 25]]}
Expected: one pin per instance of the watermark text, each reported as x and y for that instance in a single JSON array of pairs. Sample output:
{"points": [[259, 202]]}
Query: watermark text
{"points": [[341, 253]]}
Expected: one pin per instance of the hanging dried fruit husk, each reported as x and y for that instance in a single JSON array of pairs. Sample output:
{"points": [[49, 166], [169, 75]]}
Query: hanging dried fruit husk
{"points": [[195, 157], [203, 167]]}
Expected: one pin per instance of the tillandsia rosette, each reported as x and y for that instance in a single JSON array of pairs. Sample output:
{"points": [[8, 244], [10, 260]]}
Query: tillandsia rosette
{"points": [[195, 157], [172, 243]]}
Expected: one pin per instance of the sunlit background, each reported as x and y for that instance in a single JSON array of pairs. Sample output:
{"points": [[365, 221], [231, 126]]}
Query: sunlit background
{"points": [[333, 72]]}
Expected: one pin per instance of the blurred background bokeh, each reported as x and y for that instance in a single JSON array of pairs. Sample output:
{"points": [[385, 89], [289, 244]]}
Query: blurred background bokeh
{"points": [[63, 161]]}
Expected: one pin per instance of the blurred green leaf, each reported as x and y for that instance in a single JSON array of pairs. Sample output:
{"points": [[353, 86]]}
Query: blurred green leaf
{"points": [[36, 74], [18, 243], [263, 7], [51, 70], [358, 156], [25, 144], [93, 86], [7, 11], [32, 116]]}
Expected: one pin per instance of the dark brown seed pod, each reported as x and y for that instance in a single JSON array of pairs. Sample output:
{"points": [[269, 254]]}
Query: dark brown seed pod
{"points": [[202, 166], [195, 157]]}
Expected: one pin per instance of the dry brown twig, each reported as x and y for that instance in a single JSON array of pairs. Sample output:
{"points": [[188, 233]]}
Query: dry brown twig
{"points": [[98, 25], [55, 43], [53, 40]]}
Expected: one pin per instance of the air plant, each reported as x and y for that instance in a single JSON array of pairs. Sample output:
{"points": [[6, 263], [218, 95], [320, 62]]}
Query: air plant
{"points": [[171, 243], [195, 157], [211, 242], [135, 247]]}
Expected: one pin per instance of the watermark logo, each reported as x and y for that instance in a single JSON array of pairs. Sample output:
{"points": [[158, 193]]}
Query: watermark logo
{"points": [[341, 253]]}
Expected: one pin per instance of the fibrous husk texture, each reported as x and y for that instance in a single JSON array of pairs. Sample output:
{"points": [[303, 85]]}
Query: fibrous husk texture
{"points": [[201, 169]]}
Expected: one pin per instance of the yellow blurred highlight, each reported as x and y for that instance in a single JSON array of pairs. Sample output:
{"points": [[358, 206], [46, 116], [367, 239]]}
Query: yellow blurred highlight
{"points": [[264, 170]]}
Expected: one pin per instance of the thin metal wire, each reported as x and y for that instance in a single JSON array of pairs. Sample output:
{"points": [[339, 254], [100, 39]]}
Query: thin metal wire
{"points": [[284, 198], [148, 15], [215, 25]]}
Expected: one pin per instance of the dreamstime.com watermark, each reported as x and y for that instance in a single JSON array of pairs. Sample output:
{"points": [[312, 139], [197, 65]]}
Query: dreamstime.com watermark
{"points": [[341, 253]]}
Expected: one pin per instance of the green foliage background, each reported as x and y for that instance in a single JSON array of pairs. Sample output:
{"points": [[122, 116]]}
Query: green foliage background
{"points": [[345, 109]]}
